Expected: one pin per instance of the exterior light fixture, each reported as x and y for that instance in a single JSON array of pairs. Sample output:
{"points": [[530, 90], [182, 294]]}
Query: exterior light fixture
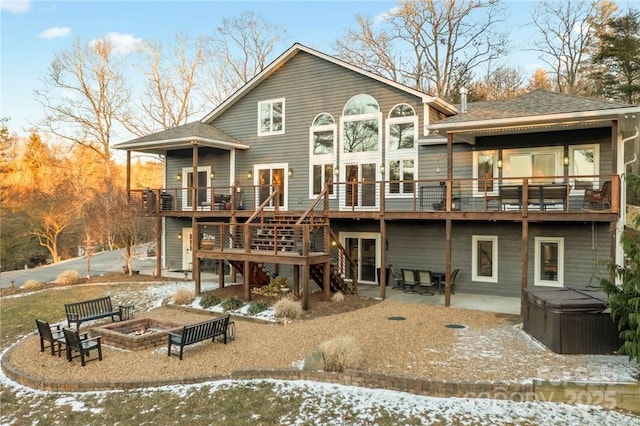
{"points": [[179, 236], [382, 169], [499, 164], [178, 176], [212, 175], [290, 172], [249, 174], [566, 161]]}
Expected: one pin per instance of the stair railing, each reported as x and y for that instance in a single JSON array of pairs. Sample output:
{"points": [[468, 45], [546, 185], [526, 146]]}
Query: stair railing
{"points": [[345, 265]]}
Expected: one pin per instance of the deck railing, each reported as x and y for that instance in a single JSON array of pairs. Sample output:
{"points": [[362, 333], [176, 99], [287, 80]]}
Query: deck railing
{"points": [[514, 194]]}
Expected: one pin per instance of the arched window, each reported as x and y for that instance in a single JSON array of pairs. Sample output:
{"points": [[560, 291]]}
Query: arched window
{"points": [[361, 125], [322, 153], [402, 149]]}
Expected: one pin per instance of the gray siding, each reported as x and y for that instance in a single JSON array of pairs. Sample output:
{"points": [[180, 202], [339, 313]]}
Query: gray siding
{"points": [[310, 86]]}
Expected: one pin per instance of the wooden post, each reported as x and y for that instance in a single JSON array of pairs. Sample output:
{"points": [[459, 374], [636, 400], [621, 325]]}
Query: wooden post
{"points": [[247, 278], [296, 280], [524, 266], [383, 243], [158, 246], [195, 273], [447, 272], [326, 280], [305, 287], [221, 273]]}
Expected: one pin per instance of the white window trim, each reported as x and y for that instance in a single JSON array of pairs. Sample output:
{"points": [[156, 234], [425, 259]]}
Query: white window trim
{"points": [[271, 166], [322, 159], [474, 258], [537, 279], [401, 154], [596, 165], [556, 151], [342, 236], [476, 155], [184, 180], [271, 102]]}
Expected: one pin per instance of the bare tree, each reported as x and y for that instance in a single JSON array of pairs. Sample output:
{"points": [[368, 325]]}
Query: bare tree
{"points": [[566, 30], [429, 45], [243, 46], [500, 83], [84, 95], [172, 75]]}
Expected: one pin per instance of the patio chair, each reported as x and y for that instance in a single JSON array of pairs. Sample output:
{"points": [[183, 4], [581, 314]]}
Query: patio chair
{"points": [[425, 282], [55, 337], [82, 345], [454, 275], [598, 199], [397, 278], [409, 280]]}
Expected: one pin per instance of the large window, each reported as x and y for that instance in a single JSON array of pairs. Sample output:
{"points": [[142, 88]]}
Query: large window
{"points": [[361, 125], [322, 153], [484, 258], [485, 172], [542, 165], [271, 117], [402, 149], [549, 261], [584, 160]]}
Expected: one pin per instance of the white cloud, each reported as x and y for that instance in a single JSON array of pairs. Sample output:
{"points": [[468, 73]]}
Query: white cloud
{"points": [[379, 19], [122, 43], [15, 6], [55, 32]]}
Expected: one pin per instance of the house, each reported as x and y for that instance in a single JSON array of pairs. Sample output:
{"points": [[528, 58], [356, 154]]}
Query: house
{"points": [[326, 173]]}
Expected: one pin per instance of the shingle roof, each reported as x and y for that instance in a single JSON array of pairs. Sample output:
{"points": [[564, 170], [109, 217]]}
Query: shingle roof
{"points": [[182, 135], [536, 103]]}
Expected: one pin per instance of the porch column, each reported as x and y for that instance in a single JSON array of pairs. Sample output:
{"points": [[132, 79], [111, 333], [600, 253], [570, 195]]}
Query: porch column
{"points": [[195, 273], [383, 249], [305, 287], [524, 266], [158, 246], [247, 277], [447, 266]]}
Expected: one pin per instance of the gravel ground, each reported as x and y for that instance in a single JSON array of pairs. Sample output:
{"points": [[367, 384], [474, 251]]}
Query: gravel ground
{"points": [[490, 348]]}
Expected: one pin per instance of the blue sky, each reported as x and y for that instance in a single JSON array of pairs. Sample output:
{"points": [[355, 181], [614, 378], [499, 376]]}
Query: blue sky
{"points": [[31, 31]]}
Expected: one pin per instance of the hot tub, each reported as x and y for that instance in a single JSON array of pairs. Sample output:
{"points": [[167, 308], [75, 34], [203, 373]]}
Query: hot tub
{"points": [[570, 320]]}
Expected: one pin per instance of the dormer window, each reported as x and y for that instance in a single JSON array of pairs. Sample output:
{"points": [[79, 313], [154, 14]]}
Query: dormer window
{"points": [[271, 117]]}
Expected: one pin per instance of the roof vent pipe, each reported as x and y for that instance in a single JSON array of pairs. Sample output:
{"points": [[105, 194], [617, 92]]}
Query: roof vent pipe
{"points": [[463, 100]]}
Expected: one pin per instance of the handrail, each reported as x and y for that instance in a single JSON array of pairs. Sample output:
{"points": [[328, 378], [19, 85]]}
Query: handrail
{"points": [[320, 197], [261, 209], [339, 248]]}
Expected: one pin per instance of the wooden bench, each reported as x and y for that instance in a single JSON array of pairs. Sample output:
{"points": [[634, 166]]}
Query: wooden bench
{"points": [[194, 333], [88, 310]]}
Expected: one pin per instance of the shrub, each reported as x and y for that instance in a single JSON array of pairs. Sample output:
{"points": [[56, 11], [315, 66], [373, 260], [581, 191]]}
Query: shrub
{"points": [[68, 278], [209, 300], [338, 297], [276, 286], [342, 352], [183, 296], [256, 308], [231, 303], [32, 285], [287, 309]]}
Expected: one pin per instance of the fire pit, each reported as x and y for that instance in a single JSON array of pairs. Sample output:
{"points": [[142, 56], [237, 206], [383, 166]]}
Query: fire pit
{"points": [[136, 334]]}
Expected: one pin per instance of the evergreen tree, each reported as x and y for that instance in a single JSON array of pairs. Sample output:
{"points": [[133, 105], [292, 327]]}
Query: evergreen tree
{"points": [[624, 300], [619, 58]]}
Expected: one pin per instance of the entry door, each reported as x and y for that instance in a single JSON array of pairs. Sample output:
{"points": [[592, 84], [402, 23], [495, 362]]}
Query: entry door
{"points": [[364, 248], [268, 177], [361, 187], [188, 182], [187, 249]]}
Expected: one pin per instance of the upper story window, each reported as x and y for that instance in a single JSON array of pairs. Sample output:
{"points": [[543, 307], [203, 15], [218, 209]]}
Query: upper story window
{"points": [[402, 152], [361, 125], [271, 117], [584, 160], [323, 132], [322, 153], [402, 125]]}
